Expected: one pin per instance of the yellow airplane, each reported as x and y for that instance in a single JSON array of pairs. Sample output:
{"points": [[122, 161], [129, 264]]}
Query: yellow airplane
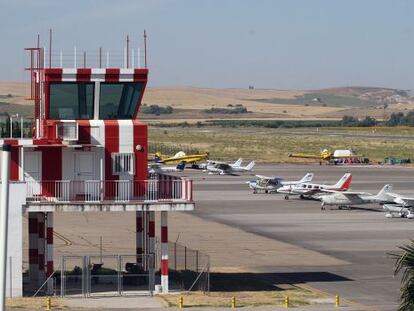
{"points": [[180, 157], [326, 155]]}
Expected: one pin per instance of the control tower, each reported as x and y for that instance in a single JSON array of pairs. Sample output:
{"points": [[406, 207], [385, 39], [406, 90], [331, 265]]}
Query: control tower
{"points": [[86, 151]]}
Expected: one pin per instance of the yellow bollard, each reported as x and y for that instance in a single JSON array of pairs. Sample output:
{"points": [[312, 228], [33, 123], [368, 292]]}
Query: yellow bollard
{"points": [[181, 302], [48, 303], [286, 301], [233, 302], [336, 301]]}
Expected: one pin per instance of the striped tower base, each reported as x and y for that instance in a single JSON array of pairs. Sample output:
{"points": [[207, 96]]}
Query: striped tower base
{"points": [[49, 252], [41, 247], [33, 252], [139, 237], [164, 252]]}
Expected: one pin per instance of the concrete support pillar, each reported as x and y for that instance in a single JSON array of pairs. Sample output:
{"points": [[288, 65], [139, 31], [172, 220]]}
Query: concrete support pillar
{"points": [[49, 251], [33, 251], [139, 237], [41, 247], [164, 252]]}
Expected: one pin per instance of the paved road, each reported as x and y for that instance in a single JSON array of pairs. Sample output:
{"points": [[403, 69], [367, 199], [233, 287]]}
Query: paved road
{"points": [[361, 237]]}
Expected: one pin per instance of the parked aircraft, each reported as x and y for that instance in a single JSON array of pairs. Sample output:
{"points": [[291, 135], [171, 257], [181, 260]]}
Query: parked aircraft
{"points": [[326, 155], [180, 157], [403, 207], [211, 163], [271, 184], [308, 190], [349, 198], [223, 168], [157, 168], [398, 210]]}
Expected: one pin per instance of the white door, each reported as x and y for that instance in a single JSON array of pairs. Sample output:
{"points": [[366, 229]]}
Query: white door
{"points": [[33, 171], [86, 186]]}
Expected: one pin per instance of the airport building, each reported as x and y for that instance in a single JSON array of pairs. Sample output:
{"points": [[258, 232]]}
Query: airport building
{"points": [[84, 151]]}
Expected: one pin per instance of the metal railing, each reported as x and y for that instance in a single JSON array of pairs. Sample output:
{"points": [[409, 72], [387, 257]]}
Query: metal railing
{"points": [[109, 190]]}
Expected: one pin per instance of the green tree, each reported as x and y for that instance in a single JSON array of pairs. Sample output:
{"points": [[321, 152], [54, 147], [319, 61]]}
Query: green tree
{"points": [[404, 263]]}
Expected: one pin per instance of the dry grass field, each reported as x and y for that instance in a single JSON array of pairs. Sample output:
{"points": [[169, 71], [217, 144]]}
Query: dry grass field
{"points": [[189, 103]]}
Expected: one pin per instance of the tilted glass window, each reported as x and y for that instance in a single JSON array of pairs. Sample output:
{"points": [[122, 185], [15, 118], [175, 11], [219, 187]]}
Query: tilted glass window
{"points": [[119, 100], [70, 100]]}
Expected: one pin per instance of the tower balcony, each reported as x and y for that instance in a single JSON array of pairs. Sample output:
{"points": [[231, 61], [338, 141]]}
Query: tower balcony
{"points": [[167, 194]]}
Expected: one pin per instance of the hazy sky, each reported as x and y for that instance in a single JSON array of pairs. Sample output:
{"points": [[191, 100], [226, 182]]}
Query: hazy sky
{"points": [[291, 44]]}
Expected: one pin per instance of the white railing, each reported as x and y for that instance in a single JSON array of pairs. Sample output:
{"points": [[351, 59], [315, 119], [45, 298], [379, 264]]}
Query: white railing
{"points": [[110, 190]]}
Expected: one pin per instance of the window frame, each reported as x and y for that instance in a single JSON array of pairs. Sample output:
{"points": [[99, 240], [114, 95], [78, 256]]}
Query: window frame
{"points": [[122, 156], [91, 116]]}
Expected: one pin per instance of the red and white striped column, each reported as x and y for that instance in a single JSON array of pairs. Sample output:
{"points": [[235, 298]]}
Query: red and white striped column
{"points": [[139, 237], [164, 252], [41, 247], [49, 251], [33, 251], [151, 232]]}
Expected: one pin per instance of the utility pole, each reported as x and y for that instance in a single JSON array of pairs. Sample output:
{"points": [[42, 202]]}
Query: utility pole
{"points": [[4, 209]]}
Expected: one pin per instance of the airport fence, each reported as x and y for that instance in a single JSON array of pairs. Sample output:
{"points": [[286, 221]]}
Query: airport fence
{"points": [[189, 269]]}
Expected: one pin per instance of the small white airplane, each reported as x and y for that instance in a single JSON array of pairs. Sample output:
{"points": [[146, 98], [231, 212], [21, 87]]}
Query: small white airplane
{"points": [[345, 199], [403, 206], [308, 190], [271, 184], [398, 210], [158, 168], [223, 168], [211, 163]]}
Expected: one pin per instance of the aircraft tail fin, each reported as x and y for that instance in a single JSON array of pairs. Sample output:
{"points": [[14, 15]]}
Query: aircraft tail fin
{"points": [[344, 183], [250, 166], [307, 178], [382, 194], [238, 162], [181, 166]]}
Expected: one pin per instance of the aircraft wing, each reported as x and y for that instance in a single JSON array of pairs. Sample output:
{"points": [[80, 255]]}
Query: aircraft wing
{"points": [[406, 201], [347, 193], [306, 156], [267, 177]]}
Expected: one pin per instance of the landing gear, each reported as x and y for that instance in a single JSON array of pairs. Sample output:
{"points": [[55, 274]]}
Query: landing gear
{"points": [[322, 206], [302, 197], [286, 197]]}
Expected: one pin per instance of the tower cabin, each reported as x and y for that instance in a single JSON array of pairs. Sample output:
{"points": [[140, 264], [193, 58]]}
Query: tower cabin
{"points": [[85, 151]]}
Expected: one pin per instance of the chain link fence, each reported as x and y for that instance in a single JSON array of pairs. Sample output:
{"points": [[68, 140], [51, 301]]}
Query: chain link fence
{"points": [[189, 269]]}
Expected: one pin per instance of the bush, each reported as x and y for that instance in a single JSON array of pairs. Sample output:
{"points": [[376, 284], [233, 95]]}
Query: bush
{"points": [[157, 110], [236, 110]]}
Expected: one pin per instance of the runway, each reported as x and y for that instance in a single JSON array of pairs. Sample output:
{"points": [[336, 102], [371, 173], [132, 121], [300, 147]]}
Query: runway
{"points": [[362, 237]]}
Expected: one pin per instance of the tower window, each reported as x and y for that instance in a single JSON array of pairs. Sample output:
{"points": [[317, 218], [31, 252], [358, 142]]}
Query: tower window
{"points": [[119, 100], [70, 101], [123, 163]]}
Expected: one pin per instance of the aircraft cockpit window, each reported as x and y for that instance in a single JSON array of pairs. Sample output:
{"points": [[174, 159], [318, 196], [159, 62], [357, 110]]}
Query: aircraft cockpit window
{"points": [[309, 186]]}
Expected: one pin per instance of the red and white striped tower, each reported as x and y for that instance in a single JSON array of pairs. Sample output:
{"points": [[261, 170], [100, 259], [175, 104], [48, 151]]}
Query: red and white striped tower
{"points": [[139, 237], [164, 252], [33, 252], [41, 247], [49, 251]]}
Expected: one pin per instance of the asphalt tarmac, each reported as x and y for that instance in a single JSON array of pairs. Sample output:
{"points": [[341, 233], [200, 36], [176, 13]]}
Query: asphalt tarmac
{"points": [[362, 237]]}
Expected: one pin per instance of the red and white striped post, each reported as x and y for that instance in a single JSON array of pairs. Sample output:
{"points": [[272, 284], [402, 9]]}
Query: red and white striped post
{"points": [[139, 237], [151, 233], [49, 251], [41, 247], [164, 251], [33, 252]]}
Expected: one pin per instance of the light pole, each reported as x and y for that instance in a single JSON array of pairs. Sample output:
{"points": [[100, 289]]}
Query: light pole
{"points": [[4, 209]]}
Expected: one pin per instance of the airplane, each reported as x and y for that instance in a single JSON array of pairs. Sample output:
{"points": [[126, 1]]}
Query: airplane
{"points": [[403, 206], [180, 157], [399, 210], [160, 169], [348, 198], [326, 155], [211, 163], [271, 184], [222, 168], [308, 190]]}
